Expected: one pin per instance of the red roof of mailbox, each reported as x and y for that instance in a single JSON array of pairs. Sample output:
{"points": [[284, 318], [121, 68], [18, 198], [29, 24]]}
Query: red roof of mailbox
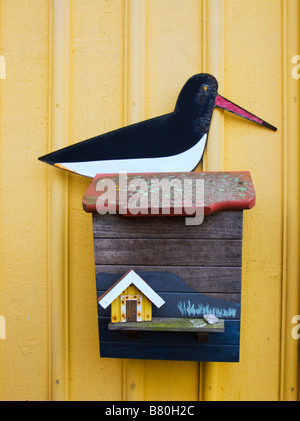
{"points": [[222, 191]]}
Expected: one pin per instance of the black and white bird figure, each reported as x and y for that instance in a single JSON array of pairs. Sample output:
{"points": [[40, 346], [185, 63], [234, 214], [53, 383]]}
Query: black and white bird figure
{"points": [[173, 142]]}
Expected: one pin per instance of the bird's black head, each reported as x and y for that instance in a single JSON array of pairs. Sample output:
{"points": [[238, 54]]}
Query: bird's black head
{"points": [[196, 102]]}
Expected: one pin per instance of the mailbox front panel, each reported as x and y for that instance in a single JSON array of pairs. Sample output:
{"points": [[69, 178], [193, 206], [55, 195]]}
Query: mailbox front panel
{"points": [[195, 269]]}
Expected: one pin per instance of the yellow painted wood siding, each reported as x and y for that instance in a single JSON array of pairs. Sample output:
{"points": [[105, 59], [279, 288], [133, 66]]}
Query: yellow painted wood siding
{"points": [[72, 69]]}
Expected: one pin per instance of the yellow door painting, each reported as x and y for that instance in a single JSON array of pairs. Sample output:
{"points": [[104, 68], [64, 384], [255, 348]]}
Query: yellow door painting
{"points": [[73, 69]]}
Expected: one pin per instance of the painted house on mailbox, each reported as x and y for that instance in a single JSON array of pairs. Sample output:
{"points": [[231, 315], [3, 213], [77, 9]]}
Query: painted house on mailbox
{"points": [[131, 299]]}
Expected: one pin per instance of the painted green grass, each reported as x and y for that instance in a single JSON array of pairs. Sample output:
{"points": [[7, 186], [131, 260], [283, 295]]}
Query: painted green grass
{"points": [[169, 324]]}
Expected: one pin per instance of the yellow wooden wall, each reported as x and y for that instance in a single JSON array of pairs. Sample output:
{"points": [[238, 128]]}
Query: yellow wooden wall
{"points": [[72, 69]]}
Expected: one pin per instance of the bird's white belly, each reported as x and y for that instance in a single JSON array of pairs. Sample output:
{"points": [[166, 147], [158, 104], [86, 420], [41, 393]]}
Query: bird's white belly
{"points": [[183, 162]]}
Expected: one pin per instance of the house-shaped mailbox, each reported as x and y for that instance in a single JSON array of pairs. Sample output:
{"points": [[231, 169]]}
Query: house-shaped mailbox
{"points": [[171, 272]]}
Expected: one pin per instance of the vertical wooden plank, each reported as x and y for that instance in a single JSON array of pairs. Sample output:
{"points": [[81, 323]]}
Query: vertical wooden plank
{"points": [[213, 63], [24, 121], [58, 205], [96, 106], [116, 310], [133, 371], [253, 79], [131, 311], [213, 160], [289, 369], [173, 54]]}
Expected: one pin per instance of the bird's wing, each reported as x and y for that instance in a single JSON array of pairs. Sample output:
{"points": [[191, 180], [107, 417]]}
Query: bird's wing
{"points": [[147, 139]]}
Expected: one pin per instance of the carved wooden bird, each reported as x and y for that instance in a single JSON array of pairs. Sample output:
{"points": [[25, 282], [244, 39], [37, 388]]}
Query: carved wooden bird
{"points": [[173, 142]]}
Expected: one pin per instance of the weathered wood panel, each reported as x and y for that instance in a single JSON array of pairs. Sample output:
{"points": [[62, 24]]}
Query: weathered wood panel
{"points": [[202, 279], [131, 311], [195, 269], [230, 336], [169, 324], [218, 225], [168, 252]]}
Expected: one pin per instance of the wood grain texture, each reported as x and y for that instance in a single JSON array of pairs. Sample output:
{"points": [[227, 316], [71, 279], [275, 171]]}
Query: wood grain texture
{"points": [[168, 252], [218, 225], [202, 279], [230, 336], [196, 270], [131, 311], [168, 324]]}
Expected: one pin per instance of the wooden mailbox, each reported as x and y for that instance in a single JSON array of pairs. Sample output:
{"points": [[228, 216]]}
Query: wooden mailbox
{"points": [[175, 272]]}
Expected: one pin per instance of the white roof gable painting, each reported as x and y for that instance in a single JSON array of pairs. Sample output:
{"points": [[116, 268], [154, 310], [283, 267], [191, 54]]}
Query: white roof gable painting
{"points": [[130, 278]]}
